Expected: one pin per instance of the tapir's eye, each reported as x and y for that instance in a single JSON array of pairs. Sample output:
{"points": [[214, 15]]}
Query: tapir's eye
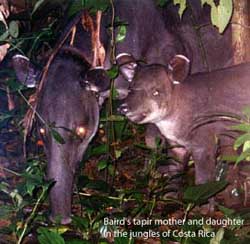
{"points": [[155, 93], [81, 131], [42, 131]]}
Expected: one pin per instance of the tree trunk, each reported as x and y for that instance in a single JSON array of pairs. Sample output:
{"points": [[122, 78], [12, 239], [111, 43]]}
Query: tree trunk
{"points": [[240, 31]]}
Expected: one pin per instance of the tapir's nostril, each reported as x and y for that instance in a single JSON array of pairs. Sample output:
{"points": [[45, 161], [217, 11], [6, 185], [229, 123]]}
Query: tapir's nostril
{"points": [[123, 108]]}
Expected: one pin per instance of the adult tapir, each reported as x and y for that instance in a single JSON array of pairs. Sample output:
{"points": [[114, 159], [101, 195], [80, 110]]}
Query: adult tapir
{"points": [[155, 35], [67, 107], [194, 111], [70, 107]]}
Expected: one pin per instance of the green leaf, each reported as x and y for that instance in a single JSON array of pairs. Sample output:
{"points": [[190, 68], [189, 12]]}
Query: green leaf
{"points": [[30, 188], [14, 85], [182, 7], [246, 111], [114, 94], [16, 197], [118, 154], [4, 116], [59, 229], [221, 14], [56, 135], [162, 3], [218, 237], [75, 7], [4, 36], [99, 150], [246, 147], [81, 223], [2, 27], [114, 118], [229, 158], [111, 169], [98, 185], [243, 156], [37, 6], [92, 5], [241, 140], [14, 29], [83, 181], [120, 127], [226, 211], [113, 72], [6, 211], [201, 193], [76, 241], [102, 165], [209, 2], [241, 127], [45, 236], [123, 240], [122, 31]]}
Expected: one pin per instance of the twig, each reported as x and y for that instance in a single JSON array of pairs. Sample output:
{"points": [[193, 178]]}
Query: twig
{"points": [[11, 103], [10, 171], [32, 215], [110, 125], [100, 51], [73, 36], [200, 43], [112, 42], [31, 107], [131, 199]]}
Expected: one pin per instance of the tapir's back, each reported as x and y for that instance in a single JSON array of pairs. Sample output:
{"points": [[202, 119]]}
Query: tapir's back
{"points": [[226, 90]]}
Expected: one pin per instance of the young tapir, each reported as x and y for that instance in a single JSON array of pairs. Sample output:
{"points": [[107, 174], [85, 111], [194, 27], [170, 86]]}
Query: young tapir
{"points": [[194, 111], [68, 103]]}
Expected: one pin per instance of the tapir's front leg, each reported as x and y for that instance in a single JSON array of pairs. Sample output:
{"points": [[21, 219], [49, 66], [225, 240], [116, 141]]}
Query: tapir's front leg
{"points": [[205, 164]]}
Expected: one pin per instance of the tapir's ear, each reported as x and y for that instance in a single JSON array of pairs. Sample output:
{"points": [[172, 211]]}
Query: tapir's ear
{"points": [[96, 80], [179, 67], [127, 65], [26, 72]]}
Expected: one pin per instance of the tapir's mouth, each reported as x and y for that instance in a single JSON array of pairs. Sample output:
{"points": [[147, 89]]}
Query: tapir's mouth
{"points": [[134, 116]]}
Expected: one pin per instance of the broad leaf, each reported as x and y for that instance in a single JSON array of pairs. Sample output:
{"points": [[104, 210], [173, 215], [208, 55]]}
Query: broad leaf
{"points": [[102, 165], [218, 237], [113, 72], [201, 193], [13, 29], [92, 5], [241, 140], [45, 236], [37, 5], [182, 7], [123, 240], [56, 135], [122, 30], [4, 36], [241, 127], [221, 14]]}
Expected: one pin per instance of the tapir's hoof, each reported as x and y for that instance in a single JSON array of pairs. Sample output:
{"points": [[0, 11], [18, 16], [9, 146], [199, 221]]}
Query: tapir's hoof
{"points": [[63, 221], [207, 209]]}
